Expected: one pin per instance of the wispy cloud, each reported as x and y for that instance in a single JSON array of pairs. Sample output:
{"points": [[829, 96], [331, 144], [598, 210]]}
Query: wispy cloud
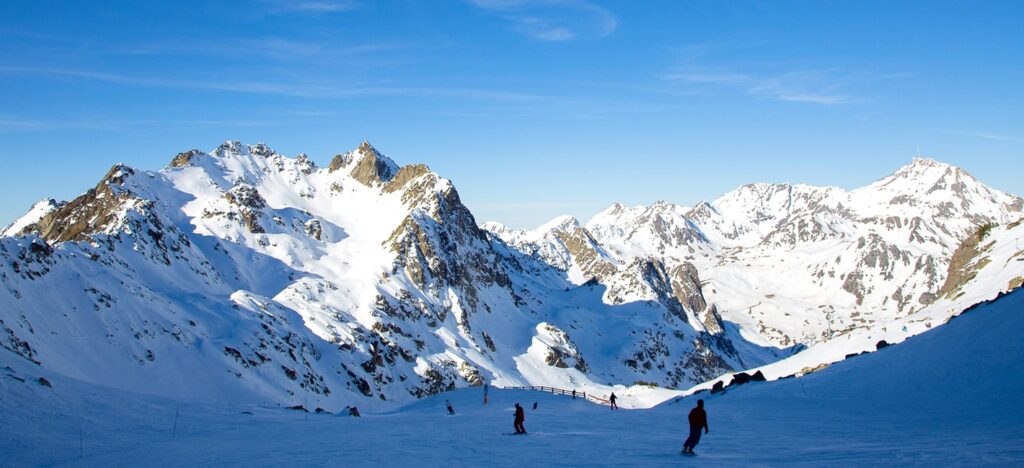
{"points": [[700, 68], [10, 124], [553, 20], [296, 86], [309, 6], [818, 86], [991, 136], [21, 124], [272, 47]]}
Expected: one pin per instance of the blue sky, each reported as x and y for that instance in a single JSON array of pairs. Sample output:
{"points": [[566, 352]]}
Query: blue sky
{"points": [[534, 108]]}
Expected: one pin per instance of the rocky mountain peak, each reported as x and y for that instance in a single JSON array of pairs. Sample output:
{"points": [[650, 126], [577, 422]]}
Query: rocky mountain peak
{"points": [[925, 173], [91, 212], [565, 224], [234, 148], [34, 214], [366, 148], [261, 149], [229, 147], [702, 212], [185, 158], [662, 206], [495, 227], [369, 166], [339, 161]]}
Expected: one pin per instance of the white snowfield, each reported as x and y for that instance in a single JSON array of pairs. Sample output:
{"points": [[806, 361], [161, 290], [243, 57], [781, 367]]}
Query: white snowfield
{"points": [[947, 397]]}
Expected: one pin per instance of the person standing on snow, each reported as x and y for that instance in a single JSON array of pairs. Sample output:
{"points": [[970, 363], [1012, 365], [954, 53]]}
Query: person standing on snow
{"points": [[698, 420], [451, 410], [611, 400], [520, 418]]}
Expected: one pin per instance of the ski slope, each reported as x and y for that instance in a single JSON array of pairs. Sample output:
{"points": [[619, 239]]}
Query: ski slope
{"points": [[950, 396]]}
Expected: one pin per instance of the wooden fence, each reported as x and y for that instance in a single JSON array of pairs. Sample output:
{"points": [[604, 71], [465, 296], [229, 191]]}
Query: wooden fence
{"points": [[562, 391]]}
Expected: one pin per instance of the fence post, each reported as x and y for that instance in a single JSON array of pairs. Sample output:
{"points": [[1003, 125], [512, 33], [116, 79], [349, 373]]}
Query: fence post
{"points": [[174, 431]]}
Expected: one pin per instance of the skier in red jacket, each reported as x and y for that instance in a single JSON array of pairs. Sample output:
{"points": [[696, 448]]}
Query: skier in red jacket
{"points": [[698, 420]]}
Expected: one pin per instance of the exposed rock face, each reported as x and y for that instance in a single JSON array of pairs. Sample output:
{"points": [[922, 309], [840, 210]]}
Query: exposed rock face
{"points": [[314, 229], [561, 352], [371, 167], [249, 204], [686, 285], [185, 158], [405, 175], [966, 262], [339, 161], [583, 249], [712, 320], [91, 212], [439, 246]]}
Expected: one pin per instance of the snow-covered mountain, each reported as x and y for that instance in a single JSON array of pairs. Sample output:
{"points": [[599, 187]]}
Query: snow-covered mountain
{"points": [[247, 275], [796, 263]]}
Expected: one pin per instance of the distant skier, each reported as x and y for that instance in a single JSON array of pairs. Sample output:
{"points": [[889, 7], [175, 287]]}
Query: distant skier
{"points": [[535, 406], [451, 411], [698, 420], [611, 400], [574, 394], [354, 412], [520, 418]]}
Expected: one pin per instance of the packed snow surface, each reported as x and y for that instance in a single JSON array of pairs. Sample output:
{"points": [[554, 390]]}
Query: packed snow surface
{"points": [[949, 396]]}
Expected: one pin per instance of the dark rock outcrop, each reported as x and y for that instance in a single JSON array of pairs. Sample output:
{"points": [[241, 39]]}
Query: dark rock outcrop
{"points": [[185, 158]]}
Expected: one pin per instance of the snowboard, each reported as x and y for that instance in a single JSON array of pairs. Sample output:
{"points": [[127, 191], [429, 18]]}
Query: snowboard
{"points": [[513, 433]]}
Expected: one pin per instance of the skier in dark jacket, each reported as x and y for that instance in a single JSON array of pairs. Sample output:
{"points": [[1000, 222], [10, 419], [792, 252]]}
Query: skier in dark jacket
{"points": [[698, 420], [520, 418], [451, 411], [611, 400]]}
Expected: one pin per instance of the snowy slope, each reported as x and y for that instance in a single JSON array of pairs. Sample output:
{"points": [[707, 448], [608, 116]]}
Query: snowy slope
{"points": [[949, 396], [34, 214], [990, 263]]}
